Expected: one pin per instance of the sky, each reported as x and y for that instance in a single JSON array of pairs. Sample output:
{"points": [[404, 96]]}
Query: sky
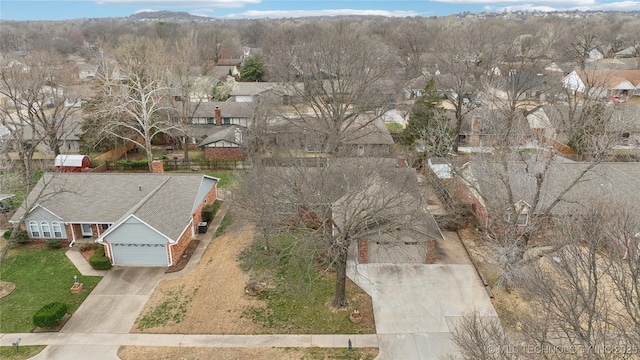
{"points": [[250, 9]]}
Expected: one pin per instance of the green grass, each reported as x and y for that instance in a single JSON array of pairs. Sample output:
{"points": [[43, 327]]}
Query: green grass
{"points": [[394, 127], [41, 276], [226, 221], [298, 300], [226, 178], [21, 353], [173, 309]]}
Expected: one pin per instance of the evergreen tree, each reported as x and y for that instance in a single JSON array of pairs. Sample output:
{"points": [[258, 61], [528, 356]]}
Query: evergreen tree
{"points": [[429, 129], [252, 69]]}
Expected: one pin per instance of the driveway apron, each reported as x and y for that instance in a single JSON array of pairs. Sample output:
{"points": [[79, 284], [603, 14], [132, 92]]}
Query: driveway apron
{"points": [[116, 302], [416, 306]]}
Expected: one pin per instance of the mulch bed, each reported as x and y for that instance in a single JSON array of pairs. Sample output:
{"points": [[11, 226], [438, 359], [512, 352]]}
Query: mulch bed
{"points": [[184, 259]]}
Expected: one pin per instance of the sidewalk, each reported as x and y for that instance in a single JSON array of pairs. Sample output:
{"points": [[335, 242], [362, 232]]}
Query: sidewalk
{"points": [[251, 341]]}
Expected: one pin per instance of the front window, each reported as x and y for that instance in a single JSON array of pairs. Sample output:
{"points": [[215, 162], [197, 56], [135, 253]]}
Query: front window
{"points": [[57, 229], [46, 229], [34, 229]]}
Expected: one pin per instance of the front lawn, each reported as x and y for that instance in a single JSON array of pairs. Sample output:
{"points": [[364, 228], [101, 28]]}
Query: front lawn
{"points": [[41, 276], [21, 353], [299, 293]]}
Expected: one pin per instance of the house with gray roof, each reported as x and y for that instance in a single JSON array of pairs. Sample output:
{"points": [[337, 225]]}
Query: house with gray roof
{"points": [[141, 219]]}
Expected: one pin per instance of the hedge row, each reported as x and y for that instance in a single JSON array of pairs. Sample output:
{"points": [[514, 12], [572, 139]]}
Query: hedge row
{"points": [[50, 314], [98, 261], [132, 164]]}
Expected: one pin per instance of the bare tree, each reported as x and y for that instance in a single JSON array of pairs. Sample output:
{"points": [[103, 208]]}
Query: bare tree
{"points": [[333, 205], [465, 55], [135, 105], [36, 110], [187, 88], [334, 75]]}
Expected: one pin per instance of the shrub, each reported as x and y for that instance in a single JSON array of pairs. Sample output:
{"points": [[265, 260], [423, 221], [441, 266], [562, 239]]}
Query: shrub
{"points": [[87, 247], [98, 261], [54, 243], [21, 236], [209, 211], [50, 314]]}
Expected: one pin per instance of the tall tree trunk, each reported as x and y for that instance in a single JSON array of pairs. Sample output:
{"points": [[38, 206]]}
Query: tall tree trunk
{"points": [[340, 299], [185, 146]]}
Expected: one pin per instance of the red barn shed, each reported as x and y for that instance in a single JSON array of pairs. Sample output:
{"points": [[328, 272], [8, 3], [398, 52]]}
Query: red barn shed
{"points": [[72, 163]]}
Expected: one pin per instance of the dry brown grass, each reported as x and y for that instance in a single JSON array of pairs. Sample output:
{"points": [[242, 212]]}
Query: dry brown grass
{"points": [[166, 353], [218, 284]]}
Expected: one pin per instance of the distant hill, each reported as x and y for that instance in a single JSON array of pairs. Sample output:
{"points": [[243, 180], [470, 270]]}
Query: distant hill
{"points": [[165, 15]]}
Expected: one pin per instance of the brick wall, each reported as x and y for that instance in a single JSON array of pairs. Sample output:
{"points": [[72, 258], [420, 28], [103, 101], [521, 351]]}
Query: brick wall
{"points": [[430, 255], [363, 251], [183, 242], [224, 153], [178, 249], [157, 166]]}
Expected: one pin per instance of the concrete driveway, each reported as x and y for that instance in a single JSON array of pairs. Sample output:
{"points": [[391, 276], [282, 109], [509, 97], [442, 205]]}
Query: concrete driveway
{"points": [[116, 302], [415, 306]]}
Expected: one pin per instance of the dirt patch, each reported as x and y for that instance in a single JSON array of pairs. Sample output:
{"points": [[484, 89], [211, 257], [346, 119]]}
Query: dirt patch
{"points": [[184, 259], [6, 288], [166, 353], [217, 285]]}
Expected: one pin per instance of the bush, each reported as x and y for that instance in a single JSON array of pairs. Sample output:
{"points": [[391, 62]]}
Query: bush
{"points": [[88, 247], [50, 314], [54, 243], [98, 261], [21, 236], [209, 211]]}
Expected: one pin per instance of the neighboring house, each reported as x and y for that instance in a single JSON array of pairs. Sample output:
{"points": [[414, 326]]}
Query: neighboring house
{"points": [[595, 54], [221, 72], [414, 87], [371, 137], [229, 62], [378, 242], [249, 91], [604, 83], [141, 219], [85, 71], [484, 188], [225, 143], [631, 51]]}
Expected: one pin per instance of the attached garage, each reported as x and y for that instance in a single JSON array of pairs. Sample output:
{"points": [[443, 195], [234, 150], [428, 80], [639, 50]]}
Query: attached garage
{"points": [[134, 242], [140, 254]]}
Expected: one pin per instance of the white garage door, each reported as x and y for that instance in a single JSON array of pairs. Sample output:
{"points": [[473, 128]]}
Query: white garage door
{"points": [[140, 254]]}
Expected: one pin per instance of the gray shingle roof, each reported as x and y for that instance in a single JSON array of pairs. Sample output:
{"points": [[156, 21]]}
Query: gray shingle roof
{"points": [[164, 201], [608, 181]]}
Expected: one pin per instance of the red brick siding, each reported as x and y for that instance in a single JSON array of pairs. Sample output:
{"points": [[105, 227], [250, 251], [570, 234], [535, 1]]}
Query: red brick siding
{"points": [[363, 251], [178, 249], [430, 256], [224, 153]]}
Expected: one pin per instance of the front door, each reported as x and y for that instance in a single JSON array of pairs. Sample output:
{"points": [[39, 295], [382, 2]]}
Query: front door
{"points": [[86, 230]]}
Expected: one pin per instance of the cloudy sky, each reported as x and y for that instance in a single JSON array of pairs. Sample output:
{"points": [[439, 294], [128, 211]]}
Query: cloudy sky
{"points": [[233, 9]]}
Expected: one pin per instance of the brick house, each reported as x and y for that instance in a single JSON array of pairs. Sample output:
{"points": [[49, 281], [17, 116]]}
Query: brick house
{"points": [[141, 219]]}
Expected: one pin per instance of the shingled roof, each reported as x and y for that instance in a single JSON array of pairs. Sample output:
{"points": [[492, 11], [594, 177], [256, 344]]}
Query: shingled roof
{"points": [[164, 201]]}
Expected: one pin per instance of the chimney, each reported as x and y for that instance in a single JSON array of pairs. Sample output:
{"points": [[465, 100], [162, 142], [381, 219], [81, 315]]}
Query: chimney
{"points": [[238, 135], [157, 167], [402, 163], [218, 116], [475, 124]]}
